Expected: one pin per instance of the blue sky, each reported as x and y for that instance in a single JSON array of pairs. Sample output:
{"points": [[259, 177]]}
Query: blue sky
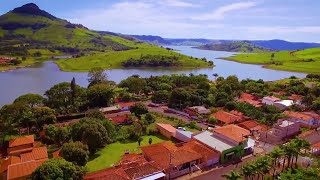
{"points": [[293, 20]]}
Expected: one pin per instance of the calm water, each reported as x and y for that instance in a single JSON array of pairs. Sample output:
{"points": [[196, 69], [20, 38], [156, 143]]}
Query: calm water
{"points": [[40, 77]]}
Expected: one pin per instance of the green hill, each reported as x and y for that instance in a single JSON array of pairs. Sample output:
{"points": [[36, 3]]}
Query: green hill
{"points": [[305, 61], [237, 46]]}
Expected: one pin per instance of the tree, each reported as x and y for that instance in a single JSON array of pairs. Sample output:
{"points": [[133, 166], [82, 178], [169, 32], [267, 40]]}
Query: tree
{"points": [[61, 136], [42, 116], [73, 90], [37, 54], [75, 152], [247, 170], [179, 98], [139, 109], [308, 99], [212, 120], [215, 76], [60, 98], [97, 76], [50, 131], [150, 141], [161, 96], [57, 169], [299, 174], [289, 151], [234, 175], [149, 118], [96, 113], [31, 100], [275, 154], [140, 140], [134, 84], [263, 164], [99, 95]]}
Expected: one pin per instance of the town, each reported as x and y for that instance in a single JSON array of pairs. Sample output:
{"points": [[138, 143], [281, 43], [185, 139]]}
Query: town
{"points": [[164, 127]]}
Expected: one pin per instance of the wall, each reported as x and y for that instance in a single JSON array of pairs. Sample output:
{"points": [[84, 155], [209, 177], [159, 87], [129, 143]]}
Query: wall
{"points": [[239, 151], [182, 137]]}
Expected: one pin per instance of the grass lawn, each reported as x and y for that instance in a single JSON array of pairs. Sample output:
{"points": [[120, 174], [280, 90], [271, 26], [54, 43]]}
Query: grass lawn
{"points": [[305, 61], [112, 153]]}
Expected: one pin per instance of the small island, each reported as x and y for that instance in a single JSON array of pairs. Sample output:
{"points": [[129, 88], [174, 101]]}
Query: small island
{"points": [[237, 46]]}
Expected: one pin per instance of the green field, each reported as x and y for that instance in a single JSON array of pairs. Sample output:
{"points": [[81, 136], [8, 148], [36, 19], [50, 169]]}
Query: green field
{"points": [[237, 46], [113, 59], [112, 153], [304, 61]]}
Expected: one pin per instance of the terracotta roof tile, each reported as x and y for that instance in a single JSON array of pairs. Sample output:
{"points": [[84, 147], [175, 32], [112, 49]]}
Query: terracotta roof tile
{"points": [[225, 117], [20, 149], [127, 104], [248, 96], [9, 161], [143, 170], [167, 127], [295, 97], [35, 154], [251, 125], [23, 169], [110, 174], [233, 132], [299, 115], [316, 146], [196, 147], [272, 98], [253, 102], [21, 141], [120, 119]]}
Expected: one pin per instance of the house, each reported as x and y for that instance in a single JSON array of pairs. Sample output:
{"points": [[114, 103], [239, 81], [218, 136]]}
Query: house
{"points": [[252, 126], [250, 99], [195, 110], [21, 144], [297, 98], [209, 156], [166, 130], [283, 104], [304, 118], [121, 120], [229, 141], [315, 149], [284, 128], [126, 106], [270, 100], [39, 153], [311, 85], [173, 160], [110, 110], [184, 136], [21, 171], [131, 166], [240, 114], [226, 118], [6, 162]]}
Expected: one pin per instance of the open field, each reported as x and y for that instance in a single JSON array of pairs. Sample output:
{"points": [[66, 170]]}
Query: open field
{"points": [[113, 59], [112, 153], [304, 61]]}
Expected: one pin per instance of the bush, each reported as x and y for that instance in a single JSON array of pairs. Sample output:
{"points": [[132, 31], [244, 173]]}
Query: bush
{"points": [[212, 120]]}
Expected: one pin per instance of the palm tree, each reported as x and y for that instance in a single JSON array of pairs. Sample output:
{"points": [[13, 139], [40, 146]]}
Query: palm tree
{"points": [[234, 175], [300, 144], [264, 166], [275, 155], [247, 170], [289, 150]]}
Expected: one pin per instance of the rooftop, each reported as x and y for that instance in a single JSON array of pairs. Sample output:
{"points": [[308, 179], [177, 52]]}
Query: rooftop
{"points": [[286, 123], [196, 147], [226, 117], [233, 132], [127, 104], [250, 101], [35, 154], [23, 169], [167, 127], [113, 108], [299, 115], [252, 125], [295, 97], [120, 119], [8, 161], [201, 109], [285, 102], [110, 174], [21, 141], [248, 96], [186, 133], [272, 98], [143, 170], [207, 139]]}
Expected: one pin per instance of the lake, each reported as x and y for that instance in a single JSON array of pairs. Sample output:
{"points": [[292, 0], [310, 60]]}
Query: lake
{"points": [[41, 76]]}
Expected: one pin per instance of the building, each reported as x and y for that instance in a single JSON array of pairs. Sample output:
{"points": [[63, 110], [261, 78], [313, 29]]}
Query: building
{"points": [[252, 126], [284, 128], [126, 106], [166, 130], [283, 104], [270, 100], [229, 141], [173, 160], [311, 85], [250, 99], [195, 110], [296, 98], [21, 144], [305, 118], [184, 136], [227, 118], [23, 158], [315, 149], [121, 120], [110, 110]]}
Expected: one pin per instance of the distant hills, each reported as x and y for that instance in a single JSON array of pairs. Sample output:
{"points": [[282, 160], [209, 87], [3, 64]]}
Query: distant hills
{"points": [[30, 25], [236, 46], [270, 44]]}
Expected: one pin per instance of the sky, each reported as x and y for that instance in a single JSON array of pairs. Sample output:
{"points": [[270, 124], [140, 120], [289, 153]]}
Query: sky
{"points": [[292, 20]]}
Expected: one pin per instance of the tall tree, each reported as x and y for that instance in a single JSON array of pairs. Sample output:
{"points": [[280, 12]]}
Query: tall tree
{"points": [[73, 89], [97, 76], [31, 100], [99, 95], [234, 175], [42, 116], [75, 152]]}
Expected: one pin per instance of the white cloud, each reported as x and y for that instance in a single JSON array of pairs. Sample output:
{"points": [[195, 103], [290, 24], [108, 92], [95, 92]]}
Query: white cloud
{"points": [[221, 12], [281, 29], [176, 3]]}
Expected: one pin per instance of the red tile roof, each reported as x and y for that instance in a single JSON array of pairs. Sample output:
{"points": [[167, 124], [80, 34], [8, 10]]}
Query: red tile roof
{"points": [[272, 98], [21, 141], [167, 127], [233, 132], [253, 102], [142, 171], [120, 119], [160, 154], [299, 115], [196, 147], [252, 125], [35, 154], [295, 97], [190, 111], [56, 154], [248, 96], [20, 149], [316, 146], [110, 174], [225, 117], [9, 161], [128, 104], [23, 169]]}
